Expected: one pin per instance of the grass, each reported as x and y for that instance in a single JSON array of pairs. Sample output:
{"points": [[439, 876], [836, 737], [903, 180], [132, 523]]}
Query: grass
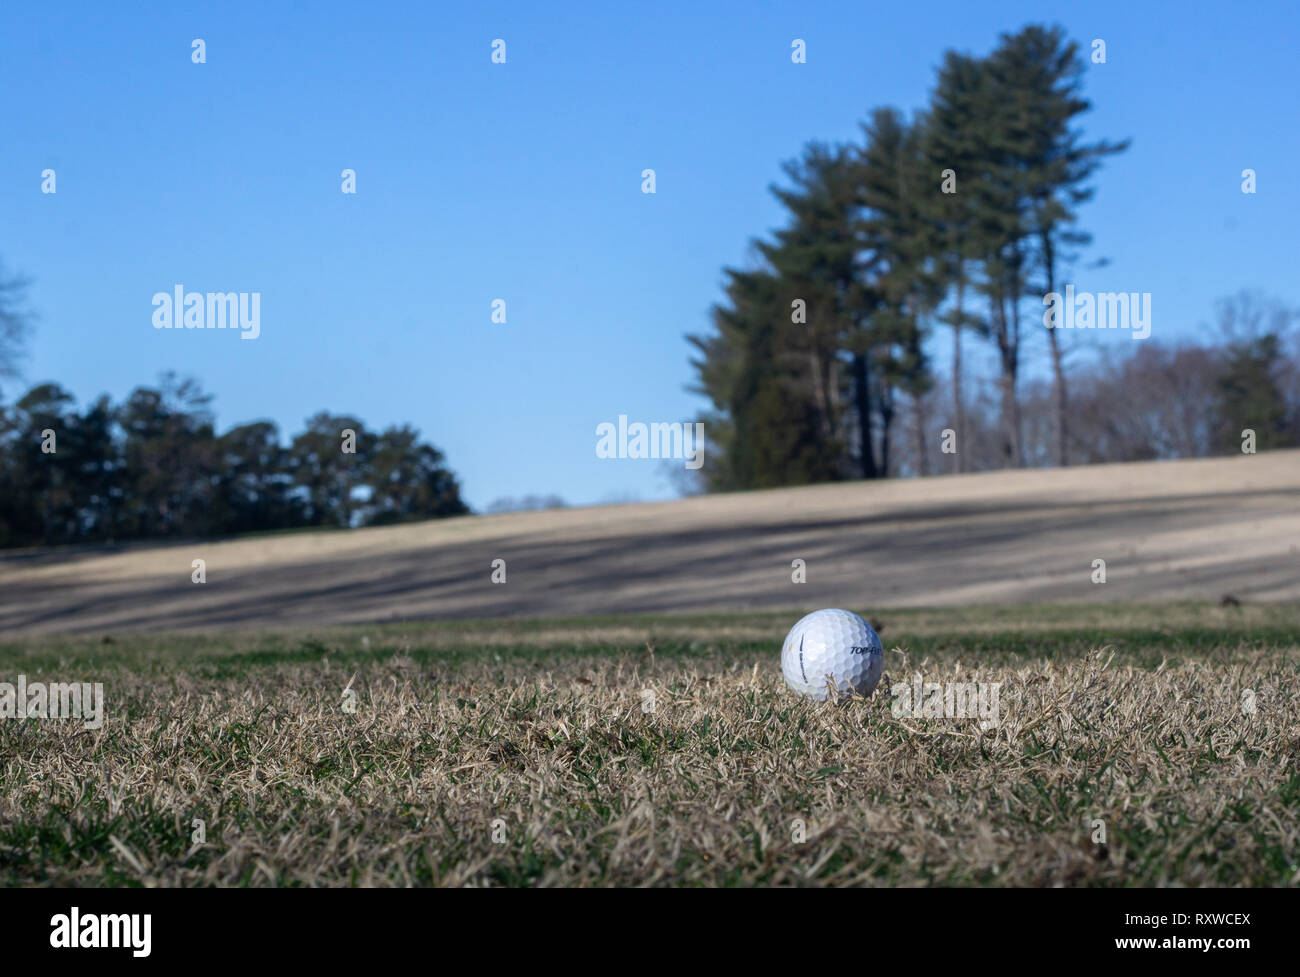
{"points": [[530, 753]]}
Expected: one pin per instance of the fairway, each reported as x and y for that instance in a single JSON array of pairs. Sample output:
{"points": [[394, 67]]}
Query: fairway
{"points": [[666, 750], [1166, 531]]}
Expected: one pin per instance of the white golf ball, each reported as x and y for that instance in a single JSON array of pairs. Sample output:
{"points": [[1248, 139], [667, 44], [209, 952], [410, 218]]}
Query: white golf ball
{"points": [[832, 648]]}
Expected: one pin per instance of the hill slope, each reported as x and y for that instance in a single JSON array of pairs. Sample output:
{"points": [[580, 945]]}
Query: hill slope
{"points": [[1167, 530]]}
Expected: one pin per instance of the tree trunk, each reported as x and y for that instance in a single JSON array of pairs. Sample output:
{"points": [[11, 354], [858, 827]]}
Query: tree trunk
{"points": [[1010, 409], [886, 422], [958, 411], [862, 397], [1060, 406], [922, 459], [1008, 355], [819, 391], [1012, 366]]}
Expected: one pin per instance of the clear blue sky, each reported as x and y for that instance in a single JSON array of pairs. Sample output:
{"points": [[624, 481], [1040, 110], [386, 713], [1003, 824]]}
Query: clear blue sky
{"points": [[522, 181]]}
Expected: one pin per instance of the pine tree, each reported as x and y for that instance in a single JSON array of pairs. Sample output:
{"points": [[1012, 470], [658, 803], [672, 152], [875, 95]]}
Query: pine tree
{"points": [[1249, 395], [955, 151], [767, 428], [1006, 110], [1056, 166], [898, 269], [774, 367]]}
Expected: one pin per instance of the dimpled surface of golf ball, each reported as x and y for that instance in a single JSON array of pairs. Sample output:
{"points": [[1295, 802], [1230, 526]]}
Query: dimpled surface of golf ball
{"points": [[832, 648]]}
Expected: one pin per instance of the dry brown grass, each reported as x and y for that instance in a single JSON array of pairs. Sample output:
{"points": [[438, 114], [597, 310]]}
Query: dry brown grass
{"points": [[1193, 529], [548, 745]]}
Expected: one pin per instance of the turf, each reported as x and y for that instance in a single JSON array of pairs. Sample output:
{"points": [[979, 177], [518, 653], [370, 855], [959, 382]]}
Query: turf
{"points": [[665, 751]]}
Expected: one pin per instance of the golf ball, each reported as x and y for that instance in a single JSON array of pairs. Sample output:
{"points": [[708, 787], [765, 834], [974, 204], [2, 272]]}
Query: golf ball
{"points": [[835, 649]]}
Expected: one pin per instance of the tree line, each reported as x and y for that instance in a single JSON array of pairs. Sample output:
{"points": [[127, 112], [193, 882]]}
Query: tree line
{"points": [[955, 218], [154, 466], [1235, 389]]}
